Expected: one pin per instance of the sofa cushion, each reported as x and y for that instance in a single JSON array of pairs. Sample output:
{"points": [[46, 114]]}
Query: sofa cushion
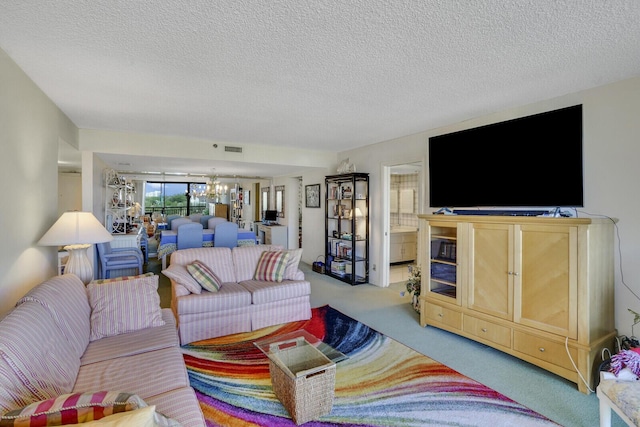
{"points": [[65, 297], [245, 259], [136, 342], [204, 276], [231, 295], [265, 292], [144, 374], [271, 266], [218, 259], [180, 404], [124, 306], [179, 274], [72, 408], [35, 357]]}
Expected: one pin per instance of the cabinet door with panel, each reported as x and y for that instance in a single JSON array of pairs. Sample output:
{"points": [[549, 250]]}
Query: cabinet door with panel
{"points": [[491, 276], [546, 278]]}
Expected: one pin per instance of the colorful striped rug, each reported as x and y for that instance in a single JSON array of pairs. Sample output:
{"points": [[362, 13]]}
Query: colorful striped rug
{"points": [[381, 383]]}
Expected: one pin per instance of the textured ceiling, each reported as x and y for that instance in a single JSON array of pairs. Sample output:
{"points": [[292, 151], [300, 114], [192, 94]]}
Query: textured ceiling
{"points": [[325, 74]]}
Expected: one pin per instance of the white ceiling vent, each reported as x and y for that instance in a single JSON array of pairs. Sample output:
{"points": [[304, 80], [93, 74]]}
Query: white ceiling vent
{"points": [[230, 149]]}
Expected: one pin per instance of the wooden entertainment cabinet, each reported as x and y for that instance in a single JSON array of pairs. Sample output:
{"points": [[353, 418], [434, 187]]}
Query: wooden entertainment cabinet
{"points": [[537, 288]]}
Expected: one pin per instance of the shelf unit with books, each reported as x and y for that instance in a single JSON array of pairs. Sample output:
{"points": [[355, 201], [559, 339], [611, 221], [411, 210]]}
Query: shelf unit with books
{"points": [[347, 227]]}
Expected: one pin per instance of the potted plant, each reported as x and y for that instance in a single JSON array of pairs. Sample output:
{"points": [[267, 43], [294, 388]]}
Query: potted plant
{"points": [[413, 286]]}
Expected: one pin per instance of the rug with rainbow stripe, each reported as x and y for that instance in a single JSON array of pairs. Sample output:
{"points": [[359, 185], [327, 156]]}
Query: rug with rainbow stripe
{"points": [[381, 382]]}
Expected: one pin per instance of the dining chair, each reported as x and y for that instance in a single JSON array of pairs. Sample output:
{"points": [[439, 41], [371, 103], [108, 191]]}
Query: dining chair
{"points": [[226, 235], [144, 242], [178, 222], [204, 220], [118, 258], [195, 217], [189, 236], [213, 221], [170, 219]]}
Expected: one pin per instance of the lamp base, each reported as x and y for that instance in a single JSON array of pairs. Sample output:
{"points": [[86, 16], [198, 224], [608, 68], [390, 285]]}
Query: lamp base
{"points": [[79, 263]]}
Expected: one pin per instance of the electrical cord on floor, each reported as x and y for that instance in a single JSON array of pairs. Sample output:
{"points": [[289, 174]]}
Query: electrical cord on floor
{"points": [[566, 346]]}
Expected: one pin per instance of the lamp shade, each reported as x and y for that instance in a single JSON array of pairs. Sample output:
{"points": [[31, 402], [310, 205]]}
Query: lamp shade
{"points": [[75, 228]]}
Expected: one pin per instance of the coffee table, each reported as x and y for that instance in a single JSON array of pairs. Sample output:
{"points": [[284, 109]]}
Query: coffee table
{"points": [[331, 353]]}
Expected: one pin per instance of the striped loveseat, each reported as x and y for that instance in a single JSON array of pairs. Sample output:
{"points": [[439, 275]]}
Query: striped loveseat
{"points": [[251, 294], [70, 353]]}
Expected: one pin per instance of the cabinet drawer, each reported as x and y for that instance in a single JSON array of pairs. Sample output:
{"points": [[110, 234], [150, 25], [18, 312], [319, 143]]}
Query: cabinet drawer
{"points": [[543, 349], [443, 315], [487, 330]]}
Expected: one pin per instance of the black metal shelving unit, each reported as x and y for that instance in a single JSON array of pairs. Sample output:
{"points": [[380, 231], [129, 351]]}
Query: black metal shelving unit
{"points": [[347, 227]]}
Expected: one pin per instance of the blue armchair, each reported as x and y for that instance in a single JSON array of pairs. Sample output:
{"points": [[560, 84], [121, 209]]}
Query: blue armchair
{"points": [[118, 258]]}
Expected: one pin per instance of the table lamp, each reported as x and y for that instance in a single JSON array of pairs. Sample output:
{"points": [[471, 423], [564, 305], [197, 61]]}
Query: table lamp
{"points": [[77, 231]]}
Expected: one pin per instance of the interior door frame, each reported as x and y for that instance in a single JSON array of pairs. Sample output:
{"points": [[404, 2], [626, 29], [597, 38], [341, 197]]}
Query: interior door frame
{"points": [[386, 210]]}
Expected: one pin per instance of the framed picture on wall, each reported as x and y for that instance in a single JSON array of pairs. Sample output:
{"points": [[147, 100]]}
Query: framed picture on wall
{"points": [[312, 196]]}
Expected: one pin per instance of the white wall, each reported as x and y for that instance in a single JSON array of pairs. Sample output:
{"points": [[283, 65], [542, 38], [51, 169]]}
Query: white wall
{"points": [[30, 128], [69, 192], [611, 116]]}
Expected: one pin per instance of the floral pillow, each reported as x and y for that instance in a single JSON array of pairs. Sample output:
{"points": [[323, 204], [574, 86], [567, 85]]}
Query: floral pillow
{"points": [[271, 266], [124, 306]]}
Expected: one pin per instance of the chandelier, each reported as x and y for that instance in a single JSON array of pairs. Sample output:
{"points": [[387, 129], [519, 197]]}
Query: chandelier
{"points": [[213, 189]]}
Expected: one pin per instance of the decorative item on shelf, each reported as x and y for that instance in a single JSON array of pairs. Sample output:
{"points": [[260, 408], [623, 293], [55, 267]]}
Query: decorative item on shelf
{"points": [[78, 231], [358, 213], [413, 286], [346, 167]]}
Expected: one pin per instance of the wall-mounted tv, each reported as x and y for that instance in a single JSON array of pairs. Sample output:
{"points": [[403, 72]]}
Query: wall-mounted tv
{"points": [[533, 161]]}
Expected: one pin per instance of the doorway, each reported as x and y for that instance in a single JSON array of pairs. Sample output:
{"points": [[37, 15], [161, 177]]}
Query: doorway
{"points": [[404, 189]]}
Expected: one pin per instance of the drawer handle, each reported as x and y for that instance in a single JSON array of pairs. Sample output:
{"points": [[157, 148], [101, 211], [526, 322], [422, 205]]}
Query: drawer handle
{"points": [[541, 349], [484, 329], [440, 315]]}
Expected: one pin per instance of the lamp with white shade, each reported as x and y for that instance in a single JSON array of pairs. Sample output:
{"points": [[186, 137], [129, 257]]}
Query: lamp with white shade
{"points": [[77, 231]]}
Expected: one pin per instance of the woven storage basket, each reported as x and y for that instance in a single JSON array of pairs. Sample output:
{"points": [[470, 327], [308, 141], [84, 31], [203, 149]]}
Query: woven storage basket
{"points": [[318, 266], [303, 379]]}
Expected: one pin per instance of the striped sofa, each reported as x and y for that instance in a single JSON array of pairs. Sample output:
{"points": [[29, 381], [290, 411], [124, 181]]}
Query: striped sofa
{"points": [[50, 354], [242, 304]]}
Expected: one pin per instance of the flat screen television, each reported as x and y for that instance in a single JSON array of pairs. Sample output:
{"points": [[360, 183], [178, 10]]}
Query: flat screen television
{"points": [[270, 215], [533, 161]]}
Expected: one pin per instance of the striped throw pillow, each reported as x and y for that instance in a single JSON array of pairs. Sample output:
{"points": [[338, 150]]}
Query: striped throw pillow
{"points": [[124, 306], [204, 276], [180, 275], [72, 408], [271, 266]]}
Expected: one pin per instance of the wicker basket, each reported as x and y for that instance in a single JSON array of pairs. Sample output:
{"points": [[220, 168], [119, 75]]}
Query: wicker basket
{"points": [[318, 266], [303, 379]]}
